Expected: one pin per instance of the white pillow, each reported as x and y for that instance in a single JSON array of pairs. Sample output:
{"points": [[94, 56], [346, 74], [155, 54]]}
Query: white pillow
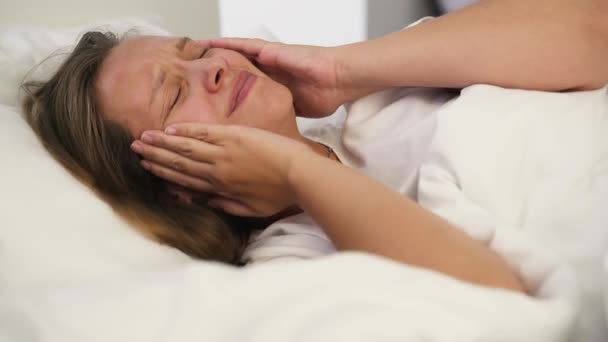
{"points": [[71, 234], [23, 47], [53, 229]]}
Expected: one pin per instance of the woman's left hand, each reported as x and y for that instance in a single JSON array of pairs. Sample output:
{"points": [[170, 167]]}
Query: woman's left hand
{"points": [[247, 168]]}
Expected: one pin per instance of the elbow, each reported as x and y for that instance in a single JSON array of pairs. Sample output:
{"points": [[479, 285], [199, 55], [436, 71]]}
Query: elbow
{"points": [[505, 281], [583, 41], [515, 285], [595, 33], [597, 13], [502, 276]]}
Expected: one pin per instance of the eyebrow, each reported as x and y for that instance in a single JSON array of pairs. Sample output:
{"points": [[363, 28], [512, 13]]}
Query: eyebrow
{"points": [[160, 79]]}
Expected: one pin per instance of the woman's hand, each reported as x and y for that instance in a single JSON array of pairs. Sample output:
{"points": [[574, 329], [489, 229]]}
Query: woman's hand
{"points": [[310, 72], [246, 168]]}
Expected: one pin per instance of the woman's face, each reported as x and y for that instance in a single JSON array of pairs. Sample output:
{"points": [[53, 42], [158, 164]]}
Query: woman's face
{"points": [[148, 83]]}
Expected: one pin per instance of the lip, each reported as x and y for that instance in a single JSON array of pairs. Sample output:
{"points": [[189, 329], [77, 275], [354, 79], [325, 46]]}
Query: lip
{"points": [[242, 85]]}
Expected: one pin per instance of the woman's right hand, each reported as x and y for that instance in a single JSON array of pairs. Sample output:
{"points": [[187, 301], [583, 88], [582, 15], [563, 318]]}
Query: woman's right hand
{"points": [[247, 169], [310, 72]]}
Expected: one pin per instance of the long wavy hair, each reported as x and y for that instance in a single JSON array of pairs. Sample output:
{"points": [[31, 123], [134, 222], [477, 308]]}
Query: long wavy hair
{"points": [[65, 116]]}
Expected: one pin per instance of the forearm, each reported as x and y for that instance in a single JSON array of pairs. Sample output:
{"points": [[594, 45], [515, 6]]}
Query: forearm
{"points": [[360, 214], [542, 44]]}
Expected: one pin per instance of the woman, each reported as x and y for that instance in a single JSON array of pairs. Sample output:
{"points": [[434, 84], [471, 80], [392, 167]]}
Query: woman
{"points": [[64, 114], [149, 83]]}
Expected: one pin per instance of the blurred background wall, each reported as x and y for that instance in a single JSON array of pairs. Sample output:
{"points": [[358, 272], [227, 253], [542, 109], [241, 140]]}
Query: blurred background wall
{"points": [[196, 18], [322, 22]]}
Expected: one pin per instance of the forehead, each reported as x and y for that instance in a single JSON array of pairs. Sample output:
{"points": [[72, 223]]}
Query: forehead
{"points": [[125, 79]]}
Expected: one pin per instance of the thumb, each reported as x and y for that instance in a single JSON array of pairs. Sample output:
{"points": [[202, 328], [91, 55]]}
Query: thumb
{"points": [[249, 46], [208, 133]]}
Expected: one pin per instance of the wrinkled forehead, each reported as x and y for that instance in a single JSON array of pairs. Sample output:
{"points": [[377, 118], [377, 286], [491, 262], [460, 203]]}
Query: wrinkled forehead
{"points": [[136, 54], [124, 79]]}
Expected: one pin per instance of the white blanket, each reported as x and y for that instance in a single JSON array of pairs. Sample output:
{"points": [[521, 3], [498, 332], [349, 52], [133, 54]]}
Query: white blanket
{"points": [[489, 169], [71, 270], [339, 298], [528, 173]]}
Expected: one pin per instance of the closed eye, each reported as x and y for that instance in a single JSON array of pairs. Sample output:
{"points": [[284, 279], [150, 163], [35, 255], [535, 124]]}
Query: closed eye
{"points": [[179, 91], [204, 53]]}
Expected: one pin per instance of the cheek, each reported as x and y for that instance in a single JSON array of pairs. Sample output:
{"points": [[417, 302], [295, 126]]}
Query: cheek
{"points": [[272, 111], [279, 101]]}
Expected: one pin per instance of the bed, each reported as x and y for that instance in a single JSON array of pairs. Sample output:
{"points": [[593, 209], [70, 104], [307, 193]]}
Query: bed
{"points": [[72, 270]]}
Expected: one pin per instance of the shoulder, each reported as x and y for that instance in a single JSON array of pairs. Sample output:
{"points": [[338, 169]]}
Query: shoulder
{"points": [[292, 238]]}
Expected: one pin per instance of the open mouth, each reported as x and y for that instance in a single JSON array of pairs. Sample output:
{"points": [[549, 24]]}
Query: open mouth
{"points": [[242, 86]]}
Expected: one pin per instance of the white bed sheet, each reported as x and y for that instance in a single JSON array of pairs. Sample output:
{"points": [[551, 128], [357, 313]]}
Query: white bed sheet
{"points": [[77, 282], [528, 171], [71, 270]]}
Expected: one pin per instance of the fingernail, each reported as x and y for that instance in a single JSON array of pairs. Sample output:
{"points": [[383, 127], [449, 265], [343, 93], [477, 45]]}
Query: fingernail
{"points": [[170, 130], [145, 164], [146, 137], [136, 146]]}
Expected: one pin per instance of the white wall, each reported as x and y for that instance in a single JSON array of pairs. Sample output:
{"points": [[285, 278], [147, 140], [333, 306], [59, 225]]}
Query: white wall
{"points": [[452, 5], [195, 18], [386, 16], [318, 22], [321, 22]]}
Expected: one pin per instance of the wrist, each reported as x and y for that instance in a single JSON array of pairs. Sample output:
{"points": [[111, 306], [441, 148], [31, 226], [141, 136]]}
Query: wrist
{"points": [[298, 171], [350, 74]]}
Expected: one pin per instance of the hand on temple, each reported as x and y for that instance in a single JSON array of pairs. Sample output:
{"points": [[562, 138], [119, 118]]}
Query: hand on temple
{"points": [[564, 42], [259, 173], [247, 168], [310, 72]]}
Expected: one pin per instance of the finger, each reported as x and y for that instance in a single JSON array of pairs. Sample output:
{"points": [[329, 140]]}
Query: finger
{"points": [[176, 177], [190, 148], [212, 134], [171, 160], [249, 46], [206, 43], [232, 206], [203, 42]]}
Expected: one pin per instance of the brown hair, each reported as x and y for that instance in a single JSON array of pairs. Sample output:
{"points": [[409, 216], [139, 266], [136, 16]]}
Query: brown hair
{"points": [[63, 113]]}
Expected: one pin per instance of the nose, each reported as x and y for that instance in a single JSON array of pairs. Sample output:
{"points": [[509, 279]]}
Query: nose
{"points": [[213, 72]]}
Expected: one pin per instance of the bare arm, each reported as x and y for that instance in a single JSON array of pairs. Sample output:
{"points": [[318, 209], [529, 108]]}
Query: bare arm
{"points": [[261, 173], [360, 214], [541, 44]]}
